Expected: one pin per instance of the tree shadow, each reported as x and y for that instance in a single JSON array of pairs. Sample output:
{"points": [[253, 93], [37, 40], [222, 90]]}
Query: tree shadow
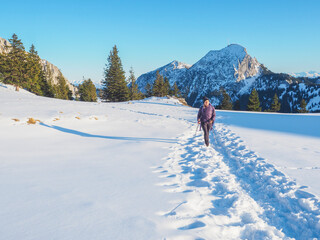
{"points": [[83, 134]]}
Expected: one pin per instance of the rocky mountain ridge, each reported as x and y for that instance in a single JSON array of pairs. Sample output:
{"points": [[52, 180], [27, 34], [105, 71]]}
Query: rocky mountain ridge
{"points": [[235, 71]]}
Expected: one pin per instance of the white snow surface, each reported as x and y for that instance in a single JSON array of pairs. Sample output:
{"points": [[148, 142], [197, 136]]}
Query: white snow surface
{"points": [[140, 170]]}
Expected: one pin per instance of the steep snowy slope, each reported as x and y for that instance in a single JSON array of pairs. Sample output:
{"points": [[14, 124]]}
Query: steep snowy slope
{"points": [[235, 71], [227, 68], [174, 71]]}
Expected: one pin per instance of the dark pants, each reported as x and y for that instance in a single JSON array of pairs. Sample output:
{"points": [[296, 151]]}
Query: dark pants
{"points": [[206, 129]]}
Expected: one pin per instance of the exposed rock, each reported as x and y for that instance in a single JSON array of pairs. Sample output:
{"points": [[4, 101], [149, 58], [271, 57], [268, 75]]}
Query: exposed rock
{"points": [[47, 66], [3, 44]]}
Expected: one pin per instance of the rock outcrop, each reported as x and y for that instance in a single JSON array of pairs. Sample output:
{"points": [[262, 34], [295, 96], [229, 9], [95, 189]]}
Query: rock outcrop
{"points": [[47, 66]]}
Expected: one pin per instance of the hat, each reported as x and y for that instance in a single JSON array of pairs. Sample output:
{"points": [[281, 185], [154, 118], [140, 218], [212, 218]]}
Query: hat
{"points": [[205, 99]]}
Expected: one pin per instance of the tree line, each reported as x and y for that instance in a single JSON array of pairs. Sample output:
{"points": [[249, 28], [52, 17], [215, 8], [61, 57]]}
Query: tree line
{"points": [[254, 103], [117, 89]]}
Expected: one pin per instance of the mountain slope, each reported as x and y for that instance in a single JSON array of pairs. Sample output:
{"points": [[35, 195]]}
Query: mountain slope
{"points": [[234, 70]]}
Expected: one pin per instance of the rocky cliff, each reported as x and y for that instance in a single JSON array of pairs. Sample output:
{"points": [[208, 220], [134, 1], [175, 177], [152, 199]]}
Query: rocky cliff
{"points": [[47, 66]]}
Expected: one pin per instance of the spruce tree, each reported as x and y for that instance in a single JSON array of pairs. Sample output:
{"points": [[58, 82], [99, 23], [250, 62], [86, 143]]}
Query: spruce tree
{"points": [[175, 90], [34, 72], [62, 90], [134, 93], [166, 87], [115, 88], [47, 86], [254, 103], [2, 65], [276, 105], [226, 103], [15, 67], [236, 105], [148, 90], [88, 91], [303, 107], [158, 86]]}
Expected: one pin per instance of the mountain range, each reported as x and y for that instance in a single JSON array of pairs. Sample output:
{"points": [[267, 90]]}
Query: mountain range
{"points": [[235, 71]]}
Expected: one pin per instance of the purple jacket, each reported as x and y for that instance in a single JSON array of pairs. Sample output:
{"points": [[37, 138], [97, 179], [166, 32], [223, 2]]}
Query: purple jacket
{"points": [[207, 114]]}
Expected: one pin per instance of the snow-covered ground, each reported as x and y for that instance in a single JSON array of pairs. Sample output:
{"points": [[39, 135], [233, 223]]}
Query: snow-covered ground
{"points": [[140, 170]]}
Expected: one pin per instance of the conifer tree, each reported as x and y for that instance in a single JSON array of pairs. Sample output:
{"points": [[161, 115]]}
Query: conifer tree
{"points": [[2, 66], [148, 90], [134, 93], [115, 88], [276, 105], [61, 89], [254, 103], [88, 91], [14, 68], [226, 101], [34, 72], [166, 87], [175, 90], [236, 105], [157, 89], [47, 86], [303, 107]]}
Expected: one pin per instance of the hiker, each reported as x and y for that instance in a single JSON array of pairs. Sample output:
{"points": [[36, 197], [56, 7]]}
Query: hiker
{"points": [[206, 117]]}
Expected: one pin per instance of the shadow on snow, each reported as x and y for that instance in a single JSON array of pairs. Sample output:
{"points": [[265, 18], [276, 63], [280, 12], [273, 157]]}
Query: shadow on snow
{"points": [[82, 134]]}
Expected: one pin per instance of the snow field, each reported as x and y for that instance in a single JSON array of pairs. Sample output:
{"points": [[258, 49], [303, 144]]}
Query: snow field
{"points": [[139, 170]]}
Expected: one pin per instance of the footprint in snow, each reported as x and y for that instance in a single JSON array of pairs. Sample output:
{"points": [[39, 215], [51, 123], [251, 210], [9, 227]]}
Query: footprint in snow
{"points": [[194, 225], [221, 206]]}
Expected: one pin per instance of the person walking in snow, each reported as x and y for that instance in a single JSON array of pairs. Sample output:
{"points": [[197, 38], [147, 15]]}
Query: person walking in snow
{"points": [[206, 117]]}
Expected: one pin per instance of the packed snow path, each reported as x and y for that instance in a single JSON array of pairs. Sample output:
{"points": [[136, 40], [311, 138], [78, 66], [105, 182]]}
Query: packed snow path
{"points": [[231, 193]]}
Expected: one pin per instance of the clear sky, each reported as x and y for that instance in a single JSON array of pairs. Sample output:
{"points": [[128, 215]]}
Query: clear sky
{"points": [[77, 36]]}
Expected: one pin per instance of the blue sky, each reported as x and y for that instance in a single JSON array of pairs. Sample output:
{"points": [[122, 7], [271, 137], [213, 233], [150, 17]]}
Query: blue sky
{"points": [[77, 36]]}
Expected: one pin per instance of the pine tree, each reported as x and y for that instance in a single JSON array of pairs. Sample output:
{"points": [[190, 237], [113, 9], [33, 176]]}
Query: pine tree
{"points": [[236, 105], [47, 86], [2, 64], [254, 103], [175, 90], [88, 91], [14, 68], [226, 101], [134, 93], [148, 90], [157, 89], [62, 90], [166, 87], [303, 107], [115, 88], [34, 72], [276, 105]]}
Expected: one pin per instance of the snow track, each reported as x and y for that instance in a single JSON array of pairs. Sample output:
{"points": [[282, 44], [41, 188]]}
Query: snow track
{"points": [[229, 192]]}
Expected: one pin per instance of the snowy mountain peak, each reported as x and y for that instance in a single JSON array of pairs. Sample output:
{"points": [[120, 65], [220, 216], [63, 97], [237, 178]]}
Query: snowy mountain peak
{"points": [[234, 49], [180, 65], [218, 68]]}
